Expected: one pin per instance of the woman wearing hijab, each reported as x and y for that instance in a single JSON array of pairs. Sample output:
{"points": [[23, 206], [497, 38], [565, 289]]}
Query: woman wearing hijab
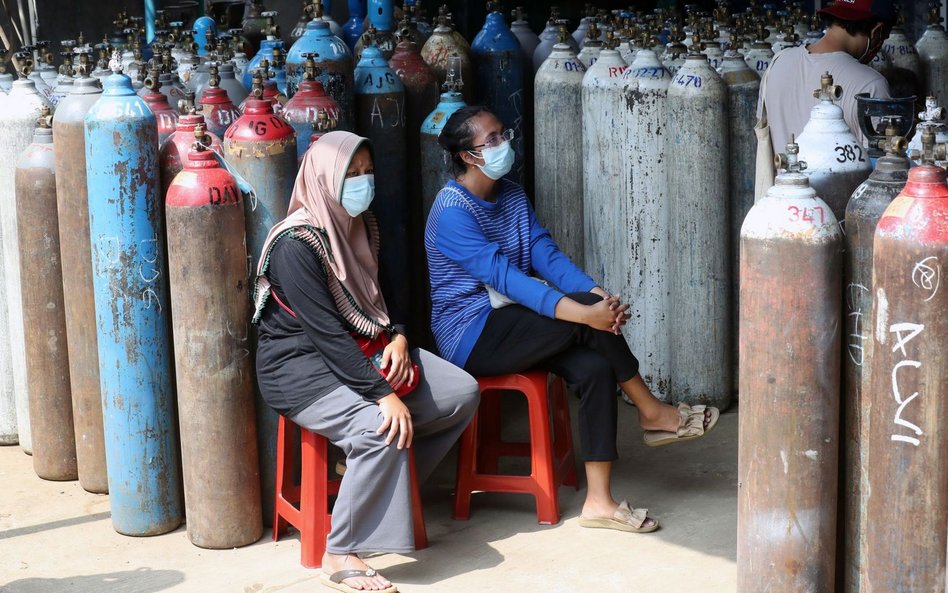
{"points": [[490, 316], [331, 359]]}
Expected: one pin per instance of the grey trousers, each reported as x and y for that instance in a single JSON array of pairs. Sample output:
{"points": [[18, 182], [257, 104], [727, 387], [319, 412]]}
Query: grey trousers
{"points": [[373, 510]]}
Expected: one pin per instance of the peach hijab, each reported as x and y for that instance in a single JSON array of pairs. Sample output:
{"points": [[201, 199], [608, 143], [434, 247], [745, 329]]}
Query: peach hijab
{"points": [[343, 243]]}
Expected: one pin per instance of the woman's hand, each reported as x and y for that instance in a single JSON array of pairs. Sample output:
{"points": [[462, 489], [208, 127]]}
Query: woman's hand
{"points": [[601, 292], [608, 315], [397, 361], [396, 420]]}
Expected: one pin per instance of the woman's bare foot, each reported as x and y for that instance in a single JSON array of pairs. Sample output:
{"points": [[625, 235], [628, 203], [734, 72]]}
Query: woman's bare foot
{"points": [[333, 563]]}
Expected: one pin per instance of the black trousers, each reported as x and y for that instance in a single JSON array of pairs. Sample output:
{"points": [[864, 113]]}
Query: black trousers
{"points": [[592, 362]]}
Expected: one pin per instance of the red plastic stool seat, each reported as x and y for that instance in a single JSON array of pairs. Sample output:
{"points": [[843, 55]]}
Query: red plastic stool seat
{"points": [[305, 506], [550, 451]]}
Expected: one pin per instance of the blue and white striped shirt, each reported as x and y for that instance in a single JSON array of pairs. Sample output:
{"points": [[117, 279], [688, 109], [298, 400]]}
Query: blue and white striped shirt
{"points": [[472, 244]]}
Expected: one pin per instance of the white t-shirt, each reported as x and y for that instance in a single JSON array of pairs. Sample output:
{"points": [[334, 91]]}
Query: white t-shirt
{"points": [[793, 77]]}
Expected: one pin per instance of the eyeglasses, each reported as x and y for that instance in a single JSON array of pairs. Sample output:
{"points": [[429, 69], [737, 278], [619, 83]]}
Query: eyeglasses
{"points": [[496, 140]]}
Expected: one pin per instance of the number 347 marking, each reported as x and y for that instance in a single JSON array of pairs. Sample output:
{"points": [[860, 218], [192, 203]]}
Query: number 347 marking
{"points": [[797, 214]]}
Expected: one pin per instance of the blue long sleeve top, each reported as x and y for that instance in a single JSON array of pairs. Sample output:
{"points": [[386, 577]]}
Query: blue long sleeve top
{"points": [[472, 244]]}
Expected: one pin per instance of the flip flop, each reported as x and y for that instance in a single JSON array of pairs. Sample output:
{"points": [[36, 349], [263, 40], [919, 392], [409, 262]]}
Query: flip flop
{"points": [[334, 581], [624, 519], [690, 426]]}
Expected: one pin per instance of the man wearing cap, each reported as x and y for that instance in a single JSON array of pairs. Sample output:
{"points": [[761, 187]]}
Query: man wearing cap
{"points": [[854, 32]]}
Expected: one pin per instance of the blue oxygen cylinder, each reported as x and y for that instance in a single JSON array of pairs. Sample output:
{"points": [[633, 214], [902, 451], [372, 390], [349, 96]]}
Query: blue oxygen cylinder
{"points": [[498, 66], [435, 162], [132, 311], [202, 25], [353, 27], [266, 51], [332, 56], [380, 117]]}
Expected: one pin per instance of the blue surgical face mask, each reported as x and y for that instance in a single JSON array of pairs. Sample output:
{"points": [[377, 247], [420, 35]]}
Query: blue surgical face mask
{"points": [[357, 194], [498, 160]]}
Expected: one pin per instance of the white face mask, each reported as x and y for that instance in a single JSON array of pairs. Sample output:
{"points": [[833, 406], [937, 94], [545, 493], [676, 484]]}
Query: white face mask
{"points": [[498, 160], [357, 194]]}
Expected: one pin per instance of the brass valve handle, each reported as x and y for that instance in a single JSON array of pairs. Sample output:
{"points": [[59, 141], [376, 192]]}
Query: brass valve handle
{"points": [[201, 139], [828, 91], [310, 71], [45, 119], [789, 161]]}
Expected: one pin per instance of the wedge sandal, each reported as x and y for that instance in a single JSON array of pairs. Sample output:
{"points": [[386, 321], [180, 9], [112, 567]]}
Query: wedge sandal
{"points": [[690, 426]]}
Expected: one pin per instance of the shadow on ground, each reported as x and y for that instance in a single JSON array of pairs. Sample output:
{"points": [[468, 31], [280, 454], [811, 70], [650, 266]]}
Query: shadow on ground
{"points": [[141, 580]]}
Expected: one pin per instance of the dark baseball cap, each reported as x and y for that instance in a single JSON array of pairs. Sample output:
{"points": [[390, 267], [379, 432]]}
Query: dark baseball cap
{"points": [[860, 10]]}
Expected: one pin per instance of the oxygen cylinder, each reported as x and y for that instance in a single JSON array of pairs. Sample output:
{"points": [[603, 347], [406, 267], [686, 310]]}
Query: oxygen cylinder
{"points": [[272, 41], [905, 380], [901, 51], [268, 90], [204, 27], [441, 47], [675, 52], [379, 32], [421, 96], [591, 49], [791, 265], [228, 81], [836, 162], [580, 34], [500, 83], [643, 232], [933, 117], [131, 302], [352, 30], [525, 36], [255, 23], [333, 63], [212, 353], [760, 54], [317, 39], [261, 148], [76, 256], [173, 155], [166, 116], [863, 212], [218, 109], [303, 109], [435, 162], [18, 122], [699, 265], [558, 96], [549, 37], [47, 363], [380, 117], [881, 63], [743, 85], [603, 133], [932, 51]]}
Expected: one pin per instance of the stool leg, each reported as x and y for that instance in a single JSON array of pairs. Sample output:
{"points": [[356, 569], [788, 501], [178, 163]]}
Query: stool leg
{"points": [[284, 463], [548, 512], [489, 439], [563, 433], [314, 500], [467, 460], [417, 511]]}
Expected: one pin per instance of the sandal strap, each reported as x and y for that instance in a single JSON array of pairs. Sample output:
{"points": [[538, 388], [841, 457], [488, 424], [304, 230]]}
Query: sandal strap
{"points": [[690, 420], [338, 577], [634, 517]]}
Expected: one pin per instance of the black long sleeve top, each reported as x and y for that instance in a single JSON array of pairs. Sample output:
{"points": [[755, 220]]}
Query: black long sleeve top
{"points": [[302, 358]]}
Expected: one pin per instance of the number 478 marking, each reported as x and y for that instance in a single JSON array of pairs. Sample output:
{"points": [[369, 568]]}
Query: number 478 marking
{"points": [[797, 214]]}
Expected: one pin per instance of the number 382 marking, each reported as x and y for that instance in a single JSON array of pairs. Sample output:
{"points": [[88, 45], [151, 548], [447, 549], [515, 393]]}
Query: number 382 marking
{"points": [[849, 152]]}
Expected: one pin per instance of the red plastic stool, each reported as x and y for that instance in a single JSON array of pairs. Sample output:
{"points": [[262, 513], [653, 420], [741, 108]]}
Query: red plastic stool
{"points": [[306, 505], [550, 452]]}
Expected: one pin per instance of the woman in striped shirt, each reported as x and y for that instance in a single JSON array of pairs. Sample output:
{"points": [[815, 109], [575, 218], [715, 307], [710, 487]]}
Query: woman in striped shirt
{"points": [[491, 315]]}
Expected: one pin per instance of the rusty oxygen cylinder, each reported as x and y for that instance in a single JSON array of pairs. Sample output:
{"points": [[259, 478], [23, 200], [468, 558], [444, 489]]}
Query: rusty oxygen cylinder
{"points": [[173, 156], [261, 148], [217, 105], [699, 326], [558, 104], [47, 359], [906, 379], [211, 320], [865, 208], [76, 252], [444, 44], [165, 115], [791, 260]]}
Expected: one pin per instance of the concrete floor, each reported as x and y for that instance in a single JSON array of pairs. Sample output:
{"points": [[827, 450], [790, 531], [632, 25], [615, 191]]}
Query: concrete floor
{"points": [[57, 538]]}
